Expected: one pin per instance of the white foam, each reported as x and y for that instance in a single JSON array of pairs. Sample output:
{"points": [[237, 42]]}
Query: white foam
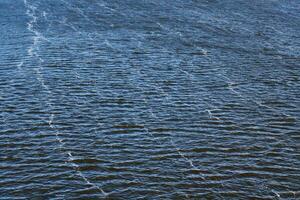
{"points": [[19, 66], [244, 98], [277, 194], [211, 115], [45, 14], [33, 53], [178, 150]]}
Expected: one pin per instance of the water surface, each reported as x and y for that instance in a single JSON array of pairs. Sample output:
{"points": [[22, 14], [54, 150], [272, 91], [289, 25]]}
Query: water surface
{"points": [[152, 99]]}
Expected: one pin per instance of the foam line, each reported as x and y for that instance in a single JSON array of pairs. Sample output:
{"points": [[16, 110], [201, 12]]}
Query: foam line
{"points": [[20, 65], [243, 98], [178, 150], [33, 53], [230, 83]]}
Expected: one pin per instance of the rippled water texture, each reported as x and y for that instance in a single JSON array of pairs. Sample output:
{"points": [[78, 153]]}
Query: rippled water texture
{"points": [[131, 99]]}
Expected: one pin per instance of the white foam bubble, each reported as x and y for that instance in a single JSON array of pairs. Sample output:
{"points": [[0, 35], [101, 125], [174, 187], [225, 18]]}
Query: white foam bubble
{"points": [[19, 66]]}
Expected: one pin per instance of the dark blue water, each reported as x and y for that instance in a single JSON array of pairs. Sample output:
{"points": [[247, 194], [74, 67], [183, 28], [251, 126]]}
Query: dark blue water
{"points": [[152, 99]]}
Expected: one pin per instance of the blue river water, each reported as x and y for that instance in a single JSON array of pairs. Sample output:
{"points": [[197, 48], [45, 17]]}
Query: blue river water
{"points": [[128, 99]]}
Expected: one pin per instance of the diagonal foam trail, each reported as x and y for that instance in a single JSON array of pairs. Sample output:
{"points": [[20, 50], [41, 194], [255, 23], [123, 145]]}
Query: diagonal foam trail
{"points": [[107, 43], [150, 109], [156, 117], [33, 53], [277, 195], [210, 107], [230, 83], [239, 94]]}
